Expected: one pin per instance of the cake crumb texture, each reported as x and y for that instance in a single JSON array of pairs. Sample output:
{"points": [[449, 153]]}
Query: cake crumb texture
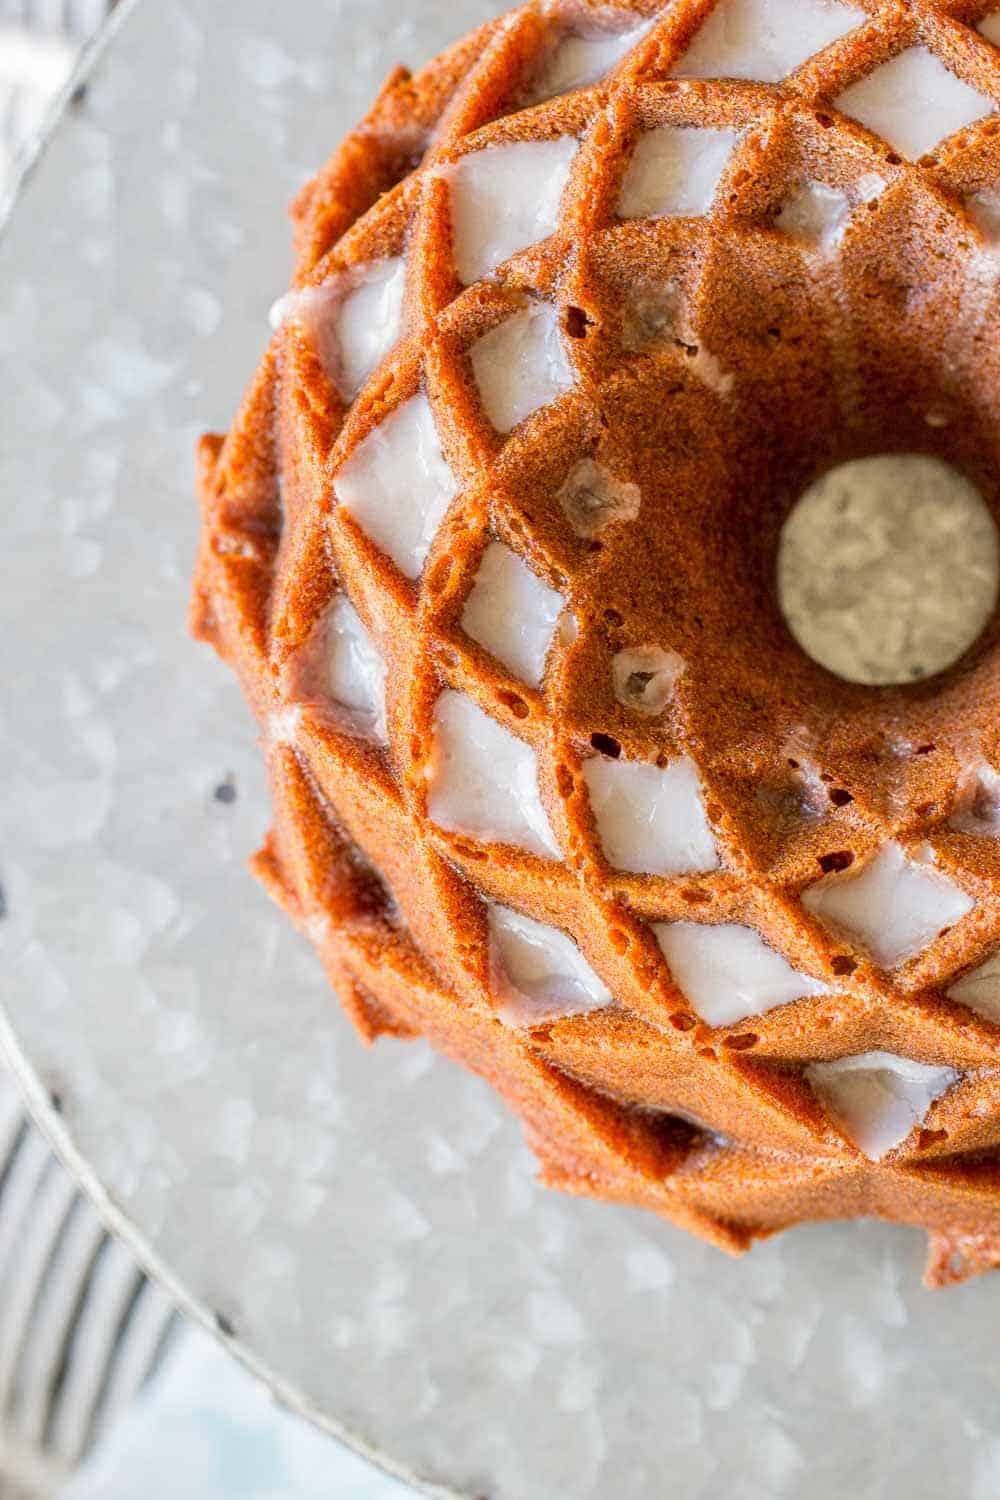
{"points": [[579, 312]]}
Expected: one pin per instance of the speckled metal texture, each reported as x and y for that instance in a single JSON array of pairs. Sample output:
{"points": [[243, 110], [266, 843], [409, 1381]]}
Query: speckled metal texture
{"points": [[367, 1227]]}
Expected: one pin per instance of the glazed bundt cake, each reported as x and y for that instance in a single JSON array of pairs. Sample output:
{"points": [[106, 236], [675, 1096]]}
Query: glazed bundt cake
{"points": [[580, 312]]}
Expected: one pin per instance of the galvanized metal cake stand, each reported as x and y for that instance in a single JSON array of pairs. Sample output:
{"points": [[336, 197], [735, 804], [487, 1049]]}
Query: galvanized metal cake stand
{"points": [[365, 1231]]}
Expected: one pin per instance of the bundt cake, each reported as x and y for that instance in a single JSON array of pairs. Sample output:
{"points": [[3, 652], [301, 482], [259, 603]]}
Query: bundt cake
{"points": [[580, 312]]}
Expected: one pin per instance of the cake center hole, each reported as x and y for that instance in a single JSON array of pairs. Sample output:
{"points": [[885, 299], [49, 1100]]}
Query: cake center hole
{"points": [[889, 568]]}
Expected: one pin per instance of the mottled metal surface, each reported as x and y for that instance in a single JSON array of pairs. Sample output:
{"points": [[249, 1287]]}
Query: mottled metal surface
{"points": [[888, 568], [39, 41], [366, 1227]]}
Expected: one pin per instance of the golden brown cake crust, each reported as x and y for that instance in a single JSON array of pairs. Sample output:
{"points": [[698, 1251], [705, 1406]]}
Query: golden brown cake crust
{"points": [[822, 367]]}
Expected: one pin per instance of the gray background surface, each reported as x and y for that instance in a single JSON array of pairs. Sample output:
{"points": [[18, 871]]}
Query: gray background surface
{"points": [[369, 1225]]}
